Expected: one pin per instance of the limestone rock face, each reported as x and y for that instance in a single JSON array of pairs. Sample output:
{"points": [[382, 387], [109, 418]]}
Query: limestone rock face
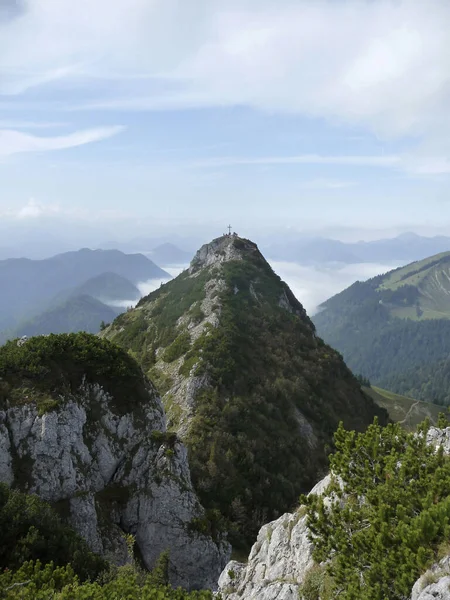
{"points": [[435, 583], [111, 472], [220, 250], [439, 437], [278, 561], [437, 591]]}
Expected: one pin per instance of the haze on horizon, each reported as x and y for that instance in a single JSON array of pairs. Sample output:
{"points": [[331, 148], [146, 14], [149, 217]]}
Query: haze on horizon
{"points": [[147, 118]]}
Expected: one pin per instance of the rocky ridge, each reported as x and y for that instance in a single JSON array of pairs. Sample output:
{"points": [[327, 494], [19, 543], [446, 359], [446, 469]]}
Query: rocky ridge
{"points": [[237, 362], [111, 469]]}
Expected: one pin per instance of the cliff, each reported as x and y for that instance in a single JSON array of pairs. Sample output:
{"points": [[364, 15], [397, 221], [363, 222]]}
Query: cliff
{"points": [[81, 427]]}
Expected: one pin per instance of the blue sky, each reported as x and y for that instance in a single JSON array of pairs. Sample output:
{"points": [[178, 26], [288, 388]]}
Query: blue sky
{"points": [[314, 115]]}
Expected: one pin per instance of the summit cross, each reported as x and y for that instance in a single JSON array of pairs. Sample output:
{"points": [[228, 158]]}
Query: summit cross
{"points": [[229, 229]]}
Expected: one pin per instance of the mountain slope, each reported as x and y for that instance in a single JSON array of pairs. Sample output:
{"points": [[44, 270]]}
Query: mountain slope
{"points": [[401, 409], [393, 324], [430, 382], [78, 313], [106, 287], [255, 394], [28, 286]]}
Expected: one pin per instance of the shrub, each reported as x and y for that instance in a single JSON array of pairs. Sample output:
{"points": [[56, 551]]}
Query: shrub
{"points": [[48, 366], [31, 530], [388, 522]]}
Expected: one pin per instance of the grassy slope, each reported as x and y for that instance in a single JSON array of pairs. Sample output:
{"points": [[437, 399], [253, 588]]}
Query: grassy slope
{"points": [[411, 274], [431, 277], [407, 411]]}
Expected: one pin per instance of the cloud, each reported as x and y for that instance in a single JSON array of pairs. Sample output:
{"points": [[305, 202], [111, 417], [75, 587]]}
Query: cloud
{"points": [[382, 66], [34, 209], [385, 64], [313, 285], [15, 142]]}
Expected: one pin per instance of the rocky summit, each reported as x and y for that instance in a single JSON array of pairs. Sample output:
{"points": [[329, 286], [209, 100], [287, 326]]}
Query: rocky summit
{"points": [[248, 385], [81, 427]]}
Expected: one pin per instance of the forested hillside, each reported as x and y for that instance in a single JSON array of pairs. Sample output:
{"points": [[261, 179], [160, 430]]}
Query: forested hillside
{"points": [[394, 326]]}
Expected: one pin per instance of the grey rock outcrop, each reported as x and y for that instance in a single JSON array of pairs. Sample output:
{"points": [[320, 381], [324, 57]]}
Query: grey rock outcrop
{"points": [[435, 583], [439, 437], [220, 250], [112, 471], [276, 565], [437, 591], [278, 561]]}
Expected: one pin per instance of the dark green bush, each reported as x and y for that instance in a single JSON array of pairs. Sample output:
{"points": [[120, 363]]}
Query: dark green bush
{"points": [[57, 364], [31, 530], [384, 527]]}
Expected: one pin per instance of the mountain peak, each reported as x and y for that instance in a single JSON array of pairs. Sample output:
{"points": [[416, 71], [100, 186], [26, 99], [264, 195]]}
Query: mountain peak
{"points": [[226, 248], [244, 379]]}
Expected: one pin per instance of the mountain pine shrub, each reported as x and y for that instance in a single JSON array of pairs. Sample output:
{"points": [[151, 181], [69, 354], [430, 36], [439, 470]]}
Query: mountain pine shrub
{"points": [[388, 519]]}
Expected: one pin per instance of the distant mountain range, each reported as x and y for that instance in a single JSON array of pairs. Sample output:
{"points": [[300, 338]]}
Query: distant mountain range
{"points": [[36, 294], [404, 248], [78, 313], [109, 288], [395, 328], [165, 251], [169, 254], [163, 254]]}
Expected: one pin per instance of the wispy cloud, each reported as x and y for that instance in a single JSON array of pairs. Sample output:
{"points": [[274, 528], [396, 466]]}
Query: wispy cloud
{"points": [[305, 159], [385, 64], [14, 142]]}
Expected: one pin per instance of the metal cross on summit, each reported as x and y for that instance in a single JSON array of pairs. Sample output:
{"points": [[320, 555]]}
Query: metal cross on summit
{"points": [[229, 229]]}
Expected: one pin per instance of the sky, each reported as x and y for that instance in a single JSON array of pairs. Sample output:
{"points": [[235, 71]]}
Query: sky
{"points": [[147, 115]]}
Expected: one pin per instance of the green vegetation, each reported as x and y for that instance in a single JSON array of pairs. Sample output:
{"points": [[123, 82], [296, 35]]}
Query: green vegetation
{"points": [[30, 530], [46, 367], [41, 558], [425, 382], [275, 392], [33, 581], [265, 367], [394, 329], [177, 348], [406, 411], [317, 585], [154, 323], [387, 522]]}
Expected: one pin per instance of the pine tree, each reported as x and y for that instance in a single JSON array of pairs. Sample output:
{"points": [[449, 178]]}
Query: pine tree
{"points": [[388, 512]]}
